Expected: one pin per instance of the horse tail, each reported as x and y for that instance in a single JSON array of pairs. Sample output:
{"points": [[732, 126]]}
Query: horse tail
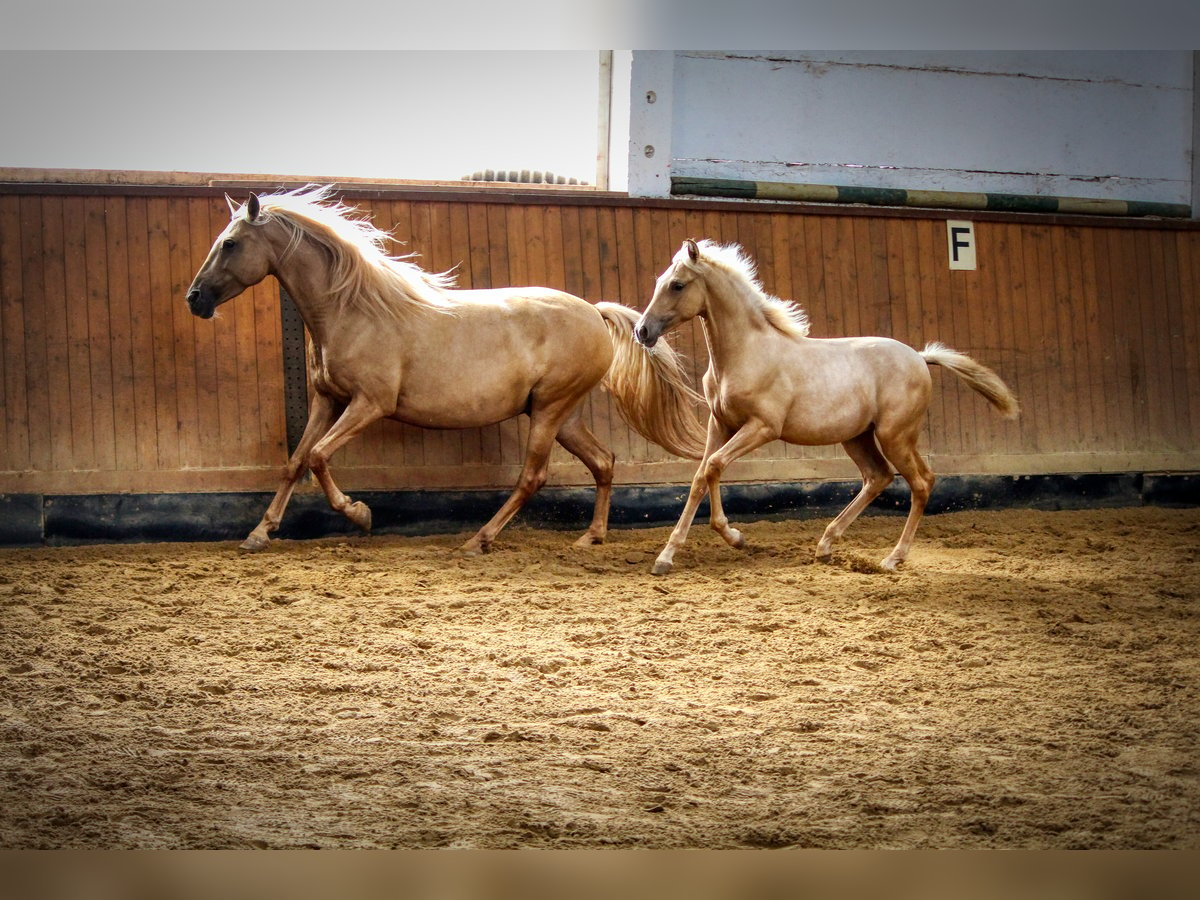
{"points": [[651, 390], [977, 376]]}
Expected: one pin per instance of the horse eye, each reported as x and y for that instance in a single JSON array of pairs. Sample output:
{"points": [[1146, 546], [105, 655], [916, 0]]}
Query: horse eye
{"points": [[229, 243], [677, 286]]}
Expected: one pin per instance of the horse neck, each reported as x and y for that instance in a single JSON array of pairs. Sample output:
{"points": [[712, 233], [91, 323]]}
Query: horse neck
{"points": [[732, 319], [305, 275]]}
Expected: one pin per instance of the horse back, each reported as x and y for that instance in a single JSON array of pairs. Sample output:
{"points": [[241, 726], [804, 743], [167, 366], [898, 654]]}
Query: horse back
{"points": [[499, 352], [818, 391], [562, 324]]}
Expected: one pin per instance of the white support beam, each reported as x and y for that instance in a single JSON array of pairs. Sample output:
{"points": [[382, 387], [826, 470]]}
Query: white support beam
{"points": [[651, 106]]}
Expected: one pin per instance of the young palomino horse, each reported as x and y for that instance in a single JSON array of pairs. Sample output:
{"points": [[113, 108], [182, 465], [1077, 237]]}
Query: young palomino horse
{"points": [[387, 339], [767, 379]]}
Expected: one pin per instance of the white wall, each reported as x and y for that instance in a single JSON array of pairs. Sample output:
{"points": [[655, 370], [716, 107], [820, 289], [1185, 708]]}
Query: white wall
{"points": [[1098, 124]]}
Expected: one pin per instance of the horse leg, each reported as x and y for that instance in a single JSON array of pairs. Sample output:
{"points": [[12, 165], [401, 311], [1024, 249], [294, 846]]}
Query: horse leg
{"points": [[902, 452], [876, 474], [578, 439], [717, 436], [716, 512], [320, 415], [718, 454], [359, 413], [720, 522], [544, 423]]}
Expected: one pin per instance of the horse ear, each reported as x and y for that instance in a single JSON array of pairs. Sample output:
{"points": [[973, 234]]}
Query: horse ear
{"points": [[233, 207], [692, 249], [252, 207]]}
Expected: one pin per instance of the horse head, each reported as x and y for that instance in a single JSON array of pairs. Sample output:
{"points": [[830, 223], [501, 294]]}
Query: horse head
{"points": [[240, 257], [679, 294]]}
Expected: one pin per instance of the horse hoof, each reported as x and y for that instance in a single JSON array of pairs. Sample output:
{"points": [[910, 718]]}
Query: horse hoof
{"points": [[254, 543], [736, 539], [360, 514], [826, 557], [473, 547], [589, 540], [661, 567], [890, 565]]}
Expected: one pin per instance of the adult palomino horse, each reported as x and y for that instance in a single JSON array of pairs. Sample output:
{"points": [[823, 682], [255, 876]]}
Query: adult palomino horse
{"points": [[387, 339], [767, 379]]}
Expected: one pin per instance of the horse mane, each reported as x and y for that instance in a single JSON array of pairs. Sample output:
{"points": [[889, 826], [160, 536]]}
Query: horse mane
{"points": [[784, 315], [362, 274]]}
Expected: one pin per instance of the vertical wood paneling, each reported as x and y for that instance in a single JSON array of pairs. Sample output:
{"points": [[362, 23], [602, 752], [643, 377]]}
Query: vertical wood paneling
{"points": [[191, 369], [1105, 380], [75, 299], [1028, 336], [58, 368], [212, 427], [97, 314], [8, 355], [514, 246], [266, 369], [781, 252], [116, 299], [1154, 327], [1139, 303], [163, 317], [1084, 336], [626, 260], [1187, 246], [13, 349], [968, 298], [876, 294], [961, 296], [247, 414], [34, 267], [926, 263], [997, 316], [1017, 303], [104, 370], [1070, 342], [1166, 281], [1172, 385], [477, 237]]}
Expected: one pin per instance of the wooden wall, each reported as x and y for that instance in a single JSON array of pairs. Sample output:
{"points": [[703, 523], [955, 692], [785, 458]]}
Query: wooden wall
{"points": [[110, 385]]}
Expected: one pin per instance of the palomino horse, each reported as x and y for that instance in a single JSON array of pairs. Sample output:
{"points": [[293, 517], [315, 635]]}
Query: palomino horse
{"points": [[387, 339], [767, 379]]}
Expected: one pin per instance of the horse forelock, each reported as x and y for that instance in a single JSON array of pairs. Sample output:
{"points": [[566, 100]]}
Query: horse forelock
{"points": [[732, 259], [362, 273]]}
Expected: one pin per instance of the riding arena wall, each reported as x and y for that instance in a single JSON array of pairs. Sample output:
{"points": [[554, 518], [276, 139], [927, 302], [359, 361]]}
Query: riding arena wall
{"points": [[120, 408]]}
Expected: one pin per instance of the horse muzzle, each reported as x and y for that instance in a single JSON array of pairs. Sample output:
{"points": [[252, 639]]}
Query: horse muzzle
{"points": [[647, 332], [202, 302]]}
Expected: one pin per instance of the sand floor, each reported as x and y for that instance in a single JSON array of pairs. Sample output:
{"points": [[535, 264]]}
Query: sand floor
{"points": [[1029, 680]]}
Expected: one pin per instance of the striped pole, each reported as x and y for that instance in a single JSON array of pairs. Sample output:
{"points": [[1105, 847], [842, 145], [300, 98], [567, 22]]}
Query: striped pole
{"points": [[831, 193]]}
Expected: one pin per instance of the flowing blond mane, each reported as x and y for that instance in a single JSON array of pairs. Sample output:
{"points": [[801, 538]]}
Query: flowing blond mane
{"points": [[363, 275], [784, 315]]}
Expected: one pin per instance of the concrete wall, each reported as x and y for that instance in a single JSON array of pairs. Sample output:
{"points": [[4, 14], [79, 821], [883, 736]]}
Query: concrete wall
{"points": [[1096, 124]]}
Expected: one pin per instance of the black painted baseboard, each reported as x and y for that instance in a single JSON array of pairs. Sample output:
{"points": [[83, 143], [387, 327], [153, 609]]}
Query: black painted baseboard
{"points": [[30, 519]]}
